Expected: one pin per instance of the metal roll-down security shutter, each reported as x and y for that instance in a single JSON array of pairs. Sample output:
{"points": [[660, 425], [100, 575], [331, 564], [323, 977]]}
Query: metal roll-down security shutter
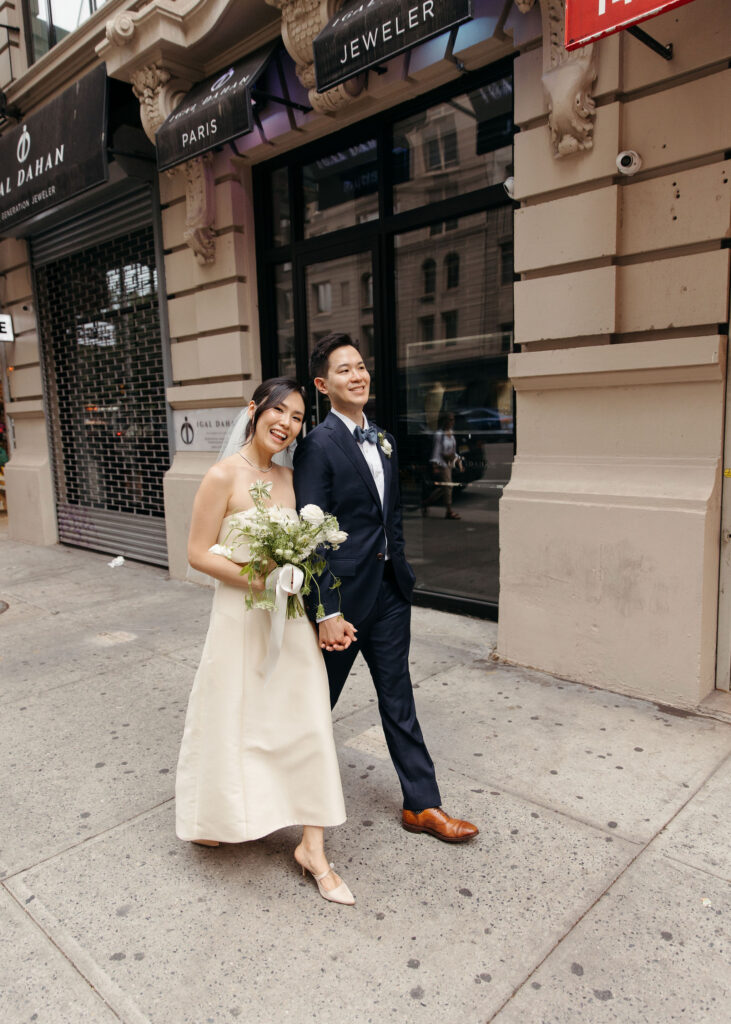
{"points": [[97, 294]]}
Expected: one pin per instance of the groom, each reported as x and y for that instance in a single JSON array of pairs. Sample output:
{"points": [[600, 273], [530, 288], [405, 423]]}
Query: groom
{"points": [[349, 468]]}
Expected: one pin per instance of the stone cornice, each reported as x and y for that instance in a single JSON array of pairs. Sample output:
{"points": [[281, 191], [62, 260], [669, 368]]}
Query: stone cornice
{"points": [[190, 39]]}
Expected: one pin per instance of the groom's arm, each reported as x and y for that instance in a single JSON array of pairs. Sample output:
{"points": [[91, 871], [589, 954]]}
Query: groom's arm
{"points": [[395, 515]]}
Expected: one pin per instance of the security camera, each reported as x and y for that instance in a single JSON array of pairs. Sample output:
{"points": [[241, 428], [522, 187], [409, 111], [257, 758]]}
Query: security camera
{"points": [[628, 162], [509, 186]]}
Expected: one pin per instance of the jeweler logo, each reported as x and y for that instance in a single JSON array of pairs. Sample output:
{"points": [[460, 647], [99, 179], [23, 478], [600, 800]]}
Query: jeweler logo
{"points": [[222, 79], [23, 145], [187, 434]]}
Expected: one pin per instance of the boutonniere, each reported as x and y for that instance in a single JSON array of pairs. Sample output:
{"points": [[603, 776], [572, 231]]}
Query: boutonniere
{"points": [[386, 446]]}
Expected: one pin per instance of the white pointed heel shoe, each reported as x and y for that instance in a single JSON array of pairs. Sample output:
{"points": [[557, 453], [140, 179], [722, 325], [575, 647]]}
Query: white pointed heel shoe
{"points": [[340, 894]]}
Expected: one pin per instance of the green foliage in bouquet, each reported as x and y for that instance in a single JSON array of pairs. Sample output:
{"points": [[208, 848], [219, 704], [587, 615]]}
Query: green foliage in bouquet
{"points": [[279, 536]]}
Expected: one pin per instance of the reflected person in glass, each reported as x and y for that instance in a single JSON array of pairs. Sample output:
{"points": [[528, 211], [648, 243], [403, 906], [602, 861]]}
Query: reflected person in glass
{"points": [[444, 458]]}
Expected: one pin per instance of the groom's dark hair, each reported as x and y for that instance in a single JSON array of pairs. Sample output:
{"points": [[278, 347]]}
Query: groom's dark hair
{"points": [[321, 352]]}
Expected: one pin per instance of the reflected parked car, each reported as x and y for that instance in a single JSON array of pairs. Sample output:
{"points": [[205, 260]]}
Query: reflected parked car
{"points": [[491, 424]]}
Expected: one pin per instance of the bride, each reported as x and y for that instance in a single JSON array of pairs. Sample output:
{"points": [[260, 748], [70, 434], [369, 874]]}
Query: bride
{"points": [[256, 755]]}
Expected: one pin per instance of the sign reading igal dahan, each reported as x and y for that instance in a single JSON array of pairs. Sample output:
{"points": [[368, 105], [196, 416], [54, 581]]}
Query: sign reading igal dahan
{"points": [[588, 20], [55, 153], [365, 32]]}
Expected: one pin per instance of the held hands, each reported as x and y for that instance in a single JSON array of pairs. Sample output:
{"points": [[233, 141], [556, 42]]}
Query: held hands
{"points": [[336, 634]]}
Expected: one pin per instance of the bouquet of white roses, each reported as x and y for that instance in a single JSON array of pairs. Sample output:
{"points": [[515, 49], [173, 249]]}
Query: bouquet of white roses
{"points": [[281, 536]]}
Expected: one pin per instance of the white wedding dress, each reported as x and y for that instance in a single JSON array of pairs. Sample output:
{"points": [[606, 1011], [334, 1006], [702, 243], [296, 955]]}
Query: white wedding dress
{"points": [[256, 756]]}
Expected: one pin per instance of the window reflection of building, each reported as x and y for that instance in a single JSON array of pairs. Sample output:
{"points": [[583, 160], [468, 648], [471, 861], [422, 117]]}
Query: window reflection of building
{"points": [[451, 269], [454, 148], [351, 278], [429, 271]]}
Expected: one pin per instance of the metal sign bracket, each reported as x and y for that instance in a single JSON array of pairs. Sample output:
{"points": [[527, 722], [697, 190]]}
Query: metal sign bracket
{"points": [[666, 52]]}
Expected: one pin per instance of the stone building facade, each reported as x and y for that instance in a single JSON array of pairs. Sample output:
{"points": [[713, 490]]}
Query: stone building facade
{"points": [[576, 333]]}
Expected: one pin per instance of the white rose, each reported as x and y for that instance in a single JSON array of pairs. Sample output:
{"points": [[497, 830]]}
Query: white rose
{"points": [[336, 537], [278, 515], [387, 447], [313, 515]]}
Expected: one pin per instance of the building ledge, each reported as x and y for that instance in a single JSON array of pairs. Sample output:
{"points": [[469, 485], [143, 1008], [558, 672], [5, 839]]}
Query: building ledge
{"points": [[675, 360]]}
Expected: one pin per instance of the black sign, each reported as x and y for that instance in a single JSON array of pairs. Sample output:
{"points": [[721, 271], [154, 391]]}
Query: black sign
{"points": [[56, 153], [214, 111], [365, 32]]}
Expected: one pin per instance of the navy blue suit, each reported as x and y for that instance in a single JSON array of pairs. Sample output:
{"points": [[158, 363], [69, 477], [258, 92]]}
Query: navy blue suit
{"points": [[375, 593]]}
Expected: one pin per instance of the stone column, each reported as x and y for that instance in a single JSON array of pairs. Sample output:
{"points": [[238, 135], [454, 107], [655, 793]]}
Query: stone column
{"points": [[213, 318], [610, 525], [28, 476]]}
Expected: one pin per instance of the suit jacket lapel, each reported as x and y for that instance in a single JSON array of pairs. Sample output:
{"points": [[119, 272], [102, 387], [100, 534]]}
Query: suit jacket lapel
{"points": [[347, 443], [387, 475]]}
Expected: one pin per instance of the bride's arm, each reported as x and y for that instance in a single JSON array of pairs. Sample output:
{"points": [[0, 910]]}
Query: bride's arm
{"points": [[209, 509]]}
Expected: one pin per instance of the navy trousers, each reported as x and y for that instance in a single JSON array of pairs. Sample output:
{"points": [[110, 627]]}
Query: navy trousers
{"points": [[384, 637]]}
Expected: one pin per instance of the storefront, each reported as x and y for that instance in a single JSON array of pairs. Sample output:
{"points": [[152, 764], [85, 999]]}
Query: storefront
{"points": [[557, 298], [82, 200]]}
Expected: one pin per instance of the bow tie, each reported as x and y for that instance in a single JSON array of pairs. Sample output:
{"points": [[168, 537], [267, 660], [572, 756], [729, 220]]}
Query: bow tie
{"points": [[371, 434]]}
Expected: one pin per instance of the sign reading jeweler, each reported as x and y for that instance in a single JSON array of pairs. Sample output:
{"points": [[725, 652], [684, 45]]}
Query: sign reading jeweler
{"points": [[55, 153], [365, 32]]}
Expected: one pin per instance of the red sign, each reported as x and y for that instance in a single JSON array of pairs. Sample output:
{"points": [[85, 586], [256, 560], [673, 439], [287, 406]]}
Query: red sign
{"points": [[587, 20]]}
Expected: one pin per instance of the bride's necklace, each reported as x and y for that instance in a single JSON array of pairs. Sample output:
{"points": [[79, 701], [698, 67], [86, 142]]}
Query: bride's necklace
{"points": [[254, 465]]}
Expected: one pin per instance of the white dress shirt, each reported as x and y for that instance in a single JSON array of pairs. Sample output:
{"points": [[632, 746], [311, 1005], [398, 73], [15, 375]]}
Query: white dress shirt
{"points": [[370, 453]]}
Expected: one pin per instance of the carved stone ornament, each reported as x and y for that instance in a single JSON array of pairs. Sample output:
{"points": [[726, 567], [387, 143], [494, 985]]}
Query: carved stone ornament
{"points": [[121, 29], [568, 77], [158, 95], [302, 21], [200, 208]]}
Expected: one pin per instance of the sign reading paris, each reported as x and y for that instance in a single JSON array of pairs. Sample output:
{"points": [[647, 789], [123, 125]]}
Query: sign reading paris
{"points": [[589, 20]]}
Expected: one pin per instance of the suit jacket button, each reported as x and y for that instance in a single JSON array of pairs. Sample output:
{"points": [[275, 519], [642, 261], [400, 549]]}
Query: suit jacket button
{"points": [[379, 555]]}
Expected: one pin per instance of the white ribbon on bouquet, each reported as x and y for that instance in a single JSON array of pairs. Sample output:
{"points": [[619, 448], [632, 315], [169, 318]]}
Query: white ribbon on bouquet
{"points": [[286, 581]]}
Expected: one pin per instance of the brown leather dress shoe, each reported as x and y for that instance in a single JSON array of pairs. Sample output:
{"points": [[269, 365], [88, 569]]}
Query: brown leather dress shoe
{"points": [[437, 823]]}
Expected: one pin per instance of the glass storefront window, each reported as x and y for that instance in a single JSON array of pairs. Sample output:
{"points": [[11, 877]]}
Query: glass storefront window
{"points": [[347, 278], [281, 215], [428, 293], [50, 21], [455, 424], [454, 147], [341, 189], [285, 320]]}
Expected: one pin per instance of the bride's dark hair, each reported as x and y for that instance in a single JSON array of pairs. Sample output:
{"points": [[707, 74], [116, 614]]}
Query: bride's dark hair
{"points": [[270, 393]]}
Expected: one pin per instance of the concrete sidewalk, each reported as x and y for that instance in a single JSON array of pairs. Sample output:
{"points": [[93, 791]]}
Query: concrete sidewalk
{"points": [[597, 891]]}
